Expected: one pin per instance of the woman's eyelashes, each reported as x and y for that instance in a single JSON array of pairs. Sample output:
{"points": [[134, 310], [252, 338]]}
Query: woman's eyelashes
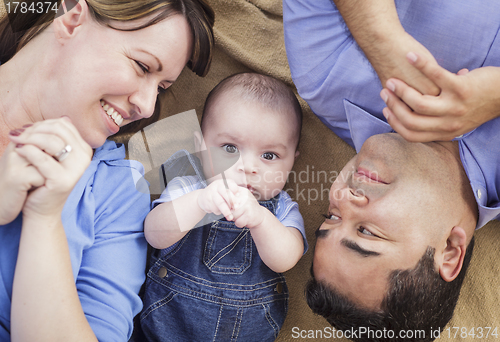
{"points": [[145, 70], [142, 66]]}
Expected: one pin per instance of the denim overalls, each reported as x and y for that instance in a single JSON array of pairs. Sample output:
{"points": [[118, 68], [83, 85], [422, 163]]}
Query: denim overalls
{"points": [[213, 286]]}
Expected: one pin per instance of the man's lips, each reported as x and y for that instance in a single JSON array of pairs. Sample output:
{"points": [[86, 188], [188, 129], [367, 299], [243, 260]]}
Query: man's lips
{"points": [[368, 176]]}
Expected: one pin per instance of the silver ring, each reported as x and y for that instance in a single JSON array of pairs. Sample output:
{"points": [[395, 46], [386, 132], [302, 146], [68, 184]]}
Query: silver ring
{"points": [[61, 155]]}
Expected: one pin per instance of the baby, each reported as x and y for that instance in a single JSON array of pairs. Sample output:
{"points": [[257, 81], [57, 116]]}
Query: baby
{"points": [[222, 281]]}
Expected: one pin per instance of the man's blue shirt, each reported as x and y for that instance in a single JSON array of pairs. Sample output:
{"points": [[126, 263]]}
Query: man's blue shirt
{"points": [[338, 82]]}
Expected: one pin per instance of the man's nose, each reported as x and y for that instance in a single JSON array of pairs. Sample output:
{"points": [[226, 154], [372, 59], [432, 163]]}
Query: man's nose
{"points": [[348, 195]]}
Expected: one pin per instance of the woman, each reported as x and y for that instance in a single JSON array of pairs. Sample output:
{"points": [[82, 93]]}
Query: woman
{"points": [[72, 252]]}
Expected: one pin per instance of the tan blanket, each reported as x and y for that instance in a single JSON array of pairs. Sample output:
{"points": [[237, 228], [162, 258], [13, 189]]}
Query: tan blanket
{"points": [[249, 37]]}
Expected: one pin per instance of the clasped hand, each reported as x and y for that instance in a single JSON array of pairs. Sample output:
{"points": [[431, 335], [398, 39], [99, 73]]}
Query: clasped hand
{"points": [[466, 101], [32, 180]]}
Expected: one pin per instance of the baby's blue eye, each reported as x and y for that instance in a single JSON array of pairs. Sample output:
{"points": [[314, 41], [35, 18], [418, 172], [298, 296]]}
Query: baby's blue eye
{"points": [[269, 155], [230, 148]]}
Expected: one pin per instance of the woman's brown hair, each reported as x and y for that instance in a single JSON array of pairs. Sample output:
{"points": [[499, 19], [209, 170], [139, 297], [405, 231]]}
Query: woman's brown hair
{"points": [[16, 30]]}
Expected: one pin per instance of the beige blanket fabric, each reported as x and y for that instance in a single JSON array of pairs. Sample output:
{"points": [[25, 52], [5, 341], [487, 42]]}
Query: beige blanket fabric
{"points": [[249, 37]]}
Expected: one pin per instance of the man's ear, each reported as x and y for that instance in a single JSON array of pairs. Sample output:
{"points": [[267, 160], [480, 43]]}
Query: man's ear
{"points": [[452, 257], [68, 24]]}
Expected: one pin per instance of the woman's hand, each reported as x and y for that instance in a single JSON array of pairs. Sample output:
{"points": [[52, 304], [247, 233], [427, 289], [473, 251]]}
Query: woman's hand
{"points": [[17, 177], [466, 101], [39, 146], [43, 248]]}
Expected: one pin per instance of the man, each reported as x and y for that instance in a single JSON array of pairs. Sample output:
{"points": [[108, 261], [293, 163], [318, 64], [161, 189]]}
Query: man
{"points": [[394, 248]]}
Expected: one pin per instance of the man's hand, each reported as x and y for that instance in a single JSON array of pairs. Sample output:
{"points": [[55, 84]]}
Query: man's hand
{"points": [[375, 26], [389, 61], [466, 101]]}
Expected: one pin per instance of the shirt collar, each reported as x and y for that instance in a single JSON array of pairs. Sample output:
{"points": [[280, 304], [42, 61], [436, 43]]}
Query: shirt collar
{"points": [[363, 124]]}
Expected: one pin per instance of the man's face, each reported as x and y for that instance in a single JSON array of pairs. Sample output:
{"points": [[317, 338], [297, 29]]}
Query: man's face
{"points": [[388, 204]]}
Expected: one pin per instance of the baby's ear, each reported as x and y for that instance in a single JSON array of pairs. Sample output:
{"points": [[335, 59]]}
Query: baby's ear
{"points": [[199, 143]]}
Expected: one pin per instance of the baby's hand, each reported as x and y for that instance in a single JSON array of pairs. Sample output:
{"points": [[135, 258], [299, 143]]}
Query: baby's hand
{"points": [[217, 199], [247, 211]]}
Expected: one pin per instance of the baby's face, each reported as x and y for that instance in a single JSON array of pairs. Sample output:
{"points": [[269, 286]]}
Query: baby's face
{"points": [[261, 141]]}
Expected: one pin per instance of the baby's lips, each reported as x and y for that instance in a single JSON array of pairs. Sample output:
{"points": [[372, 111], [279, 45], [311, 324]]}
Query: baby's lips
{"points": [[16, 132]]}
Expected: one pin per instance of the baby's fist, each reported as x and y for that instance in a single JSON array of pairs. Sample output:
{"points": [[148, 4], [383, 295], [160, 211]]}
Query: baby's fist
{"points": [[218, 199], [247, 211]]}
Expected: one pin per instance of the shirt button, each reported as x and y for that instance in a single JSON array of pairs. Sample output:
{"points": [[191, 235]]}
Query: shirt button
{"points": [[162, 272], [479, 193], [279, 288]]}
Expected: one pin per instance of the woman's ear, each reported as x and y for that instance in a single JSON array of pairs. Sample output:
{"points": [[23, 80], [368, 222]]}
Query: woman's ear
{"points": [[67, 25], [452, 257]]}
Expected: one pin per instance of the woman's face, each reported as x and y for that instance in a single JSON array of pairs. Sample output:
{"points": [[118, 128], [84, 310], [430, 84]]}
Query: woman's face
{"points": [[107, 78]]}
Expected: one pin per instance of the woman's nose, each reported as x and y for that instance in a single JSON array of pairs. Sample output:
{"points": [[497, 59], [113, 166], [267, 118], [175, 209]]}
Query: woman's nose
{"points": [[144, 99]]}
